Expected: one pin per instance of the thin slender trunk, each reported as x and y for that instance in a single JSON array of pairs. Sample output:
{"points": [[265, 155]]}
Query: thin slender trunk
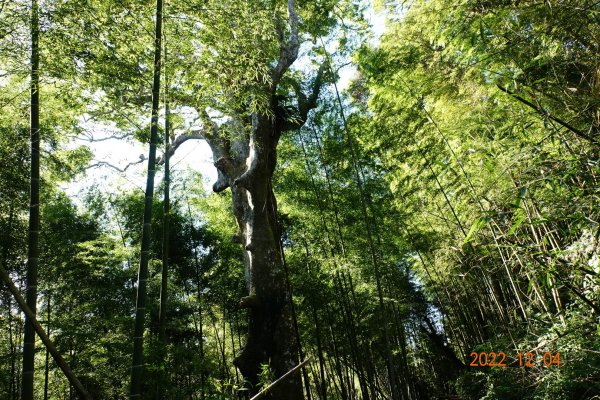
{"points": [[13, 367], [71, 354], [337, 358], [233, 352], [137, 366], [295, 320], [34, 210], [352, 336], [345, 302], [13, 348], [47, 361], [406, 367], [376, 266], [164, 281], [326, 170], [197, 328], [319, 205], [40, 332], [199, 296], [220, 348], [198, 276], [322, 381], [166, 211], [224, 343], [337, 367], [18, 343]]}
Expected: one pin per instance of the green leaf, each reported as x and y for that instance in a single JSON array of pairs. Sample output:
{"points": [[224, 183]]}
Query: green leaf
{"points": [[478, 225], [521, 197], [520, 217], [530, 286]]}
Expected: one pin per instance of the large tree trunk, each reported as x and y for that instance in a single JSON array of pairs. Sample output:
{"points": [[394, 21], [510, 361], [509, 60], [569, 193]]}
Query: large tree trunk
{"points": [[246, 163], [271, 338]]}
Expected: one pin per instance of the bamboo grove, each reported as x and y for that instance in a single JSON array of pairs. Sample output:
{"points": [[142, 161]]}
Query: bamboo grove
{"points": [[402, 210]]}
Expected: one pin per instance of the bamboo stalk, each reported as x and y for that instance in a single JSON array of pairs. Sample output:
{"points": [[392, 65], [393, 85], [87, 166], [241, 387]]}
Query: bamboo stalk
{"points": [[60, 361]]}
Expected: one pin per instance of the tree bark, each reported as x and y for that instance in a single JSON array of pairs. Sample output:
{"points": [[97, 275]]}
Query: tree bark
{"points": [[137, 366], [47, 361], [246, 164], [34, 211], [271, 337]]}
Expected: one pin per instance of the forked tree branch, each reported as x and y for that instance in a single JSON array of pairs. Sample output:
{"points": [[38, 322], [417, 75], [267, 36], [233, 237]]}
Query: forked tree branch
{"points": [[305, 102], [218, 145]]}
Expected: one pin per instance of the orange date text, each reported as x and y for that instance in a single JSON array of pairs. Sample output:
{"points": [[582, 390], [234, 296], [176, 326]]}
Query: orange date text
{"points": [[527, 359]]}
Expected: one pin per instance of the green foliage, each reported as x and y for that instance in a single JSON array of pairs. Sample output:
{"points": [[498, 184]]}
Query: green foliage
{"points": [[572, 379], [478, 169], [266, 376], [463, 176]]}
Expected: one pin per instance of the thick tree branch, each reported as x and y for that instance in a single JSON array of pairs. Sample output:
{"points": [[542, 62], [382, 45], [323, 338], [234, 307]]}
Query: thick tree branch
{"points": [[219, 146], [310, 102], [288, 51], [305, 103]]}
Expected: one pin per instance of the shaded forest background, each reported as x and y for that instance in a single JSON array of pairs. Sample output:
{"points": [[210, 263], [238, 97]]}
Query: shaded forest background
{"points": [[445, 202]]}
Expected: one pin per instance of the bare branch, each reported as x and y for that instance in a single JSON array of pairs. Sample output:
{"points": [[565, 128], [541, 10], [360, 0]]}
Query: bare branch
{"points": [[181, 139], [90, 138], [122, 170]]}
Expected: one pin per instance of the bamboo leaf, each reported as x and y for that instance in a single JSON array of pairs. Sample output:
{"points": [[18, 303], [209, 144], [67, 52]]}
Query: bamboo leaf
{"points": [[520, 217], [478, 225]]}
